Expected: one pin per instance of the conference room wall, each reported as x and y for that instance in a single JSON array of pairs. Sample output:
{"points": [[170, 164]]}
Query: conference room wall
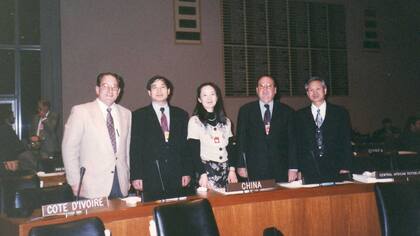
{"points": [[135, 38]]}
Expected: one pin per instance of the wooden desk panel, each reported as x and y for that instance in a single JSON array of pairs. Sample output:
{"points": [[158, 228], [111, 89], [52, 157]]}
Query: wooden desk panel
{"points": [[337, 210]]}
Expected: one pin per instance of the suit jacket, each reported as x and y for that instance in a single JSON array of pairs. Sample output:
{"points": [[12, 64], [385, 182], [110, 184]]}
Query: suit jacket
{"points": [[149, 150], [267, 156], [10, 145], [49, 139], [86, 143], [336, 132]]}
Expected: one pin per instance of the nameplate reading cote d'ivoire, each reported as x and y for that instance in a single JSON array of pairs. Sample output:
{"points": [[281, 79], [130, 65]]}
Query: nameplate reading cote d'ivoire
{"points": [[251, 185], [70, 207]]}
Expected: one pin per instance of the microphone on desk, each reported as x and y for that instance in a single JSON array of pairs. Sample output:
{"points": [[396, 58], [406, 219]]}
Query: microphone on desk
{"points": [[246, 166], [160, 176], [82, 173]]}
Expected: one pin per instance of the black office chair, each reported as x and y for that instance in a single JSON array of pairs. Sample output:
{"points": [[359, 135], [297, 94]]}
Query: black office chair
{"points": [[55, 194], [399, 208], [85, 227], [12, 200], [186, 218]]}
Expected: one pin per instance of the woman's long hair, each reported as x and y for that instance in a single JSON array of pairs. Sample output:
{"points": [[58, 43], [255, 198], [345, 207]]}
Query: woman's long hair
{"points": [[219, 110]]}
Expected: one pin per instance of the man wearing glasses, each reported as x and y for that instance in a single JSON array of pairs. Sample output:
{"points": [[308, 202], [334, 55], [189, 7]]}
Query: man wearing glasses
{"points": [[97, 139], [265, 134]]}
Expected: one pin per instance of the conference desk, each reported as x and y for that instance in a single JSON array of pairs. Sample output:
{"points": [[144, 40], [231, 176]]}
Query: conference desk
{"points": [[348, 209]]}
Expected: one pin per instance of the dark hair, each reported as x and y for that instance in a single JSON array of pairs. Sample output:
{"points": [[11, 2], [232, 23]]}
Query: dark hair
{"points": [[5, 112], [166, 81], [411, 121], [103, 74], [44, 103], [315, 78], [274, 81], [386, 121], [219, 110]]}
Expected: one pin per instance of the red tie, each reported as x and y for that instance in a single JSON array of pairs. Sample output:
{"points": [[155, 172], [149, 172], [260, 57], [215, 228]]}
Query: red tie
{"points": [[164, 124]]}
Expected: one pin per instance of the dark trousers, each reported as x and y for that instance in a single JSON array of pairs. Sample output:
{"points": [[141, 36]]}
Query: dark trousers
{"points": [[115, 191]]}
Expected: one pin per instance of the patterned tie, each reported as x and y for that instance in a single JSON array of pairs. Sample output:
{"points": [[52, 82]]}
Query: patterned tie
{"points": [[111, 130], [164, 124], [318, 119], [267, 119], [318, 134]]}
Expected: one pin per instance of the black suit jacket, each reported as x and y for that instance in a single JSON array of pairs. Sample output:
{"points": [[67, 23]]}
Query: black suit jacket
{"points": [[148, 146], [10, 145], [336, 130], [267, 156]]}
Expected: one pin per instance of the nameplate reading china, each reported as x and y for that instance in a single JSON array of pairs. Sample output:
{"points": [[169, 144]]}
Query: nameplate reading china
{"points": [[69, 207], [251, 185]]}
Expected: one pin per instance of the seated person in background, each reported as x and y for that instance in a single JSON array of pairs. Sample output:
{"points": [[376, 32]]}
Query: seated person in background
{"points": [[43, 130], [209, 131], [387, 133], [410, 138], [10, 145]]}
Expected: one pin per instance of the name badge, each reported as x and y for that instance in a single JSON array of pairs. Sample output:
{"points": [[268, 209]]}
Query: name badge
{"points": [[267, 128], [216, 140], [166, 133]]}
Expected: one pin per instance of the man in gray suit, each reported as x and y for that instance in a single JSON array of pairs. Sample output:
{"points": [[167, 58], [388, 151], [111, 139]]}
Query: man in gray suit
{"points": [[44, 130], [97, 138]]}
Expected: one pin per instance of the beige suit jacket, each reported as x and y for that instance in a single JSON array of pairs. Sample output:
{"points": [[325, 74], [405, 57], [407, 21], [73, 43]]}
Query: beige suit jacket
{"points": [[86, 143]]}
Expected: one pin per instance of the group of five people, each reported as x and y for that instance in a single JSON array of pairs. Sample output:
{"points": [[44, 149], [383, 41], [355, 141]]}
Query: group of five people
{"points": [[159, 148]]}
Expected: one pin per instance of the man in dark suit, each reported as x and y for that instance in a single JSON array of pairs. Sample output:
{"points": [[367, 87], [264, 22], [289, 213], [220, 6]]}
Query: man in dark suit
{"points": [[44, 128], [160, 161], [323, 134], [266, 138], [10, 145]]}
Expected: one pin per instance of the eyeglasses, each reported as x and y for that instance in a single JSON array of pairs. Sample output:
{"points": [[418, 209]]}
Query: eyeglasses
{"points": [[265, 86], [109, 87]]}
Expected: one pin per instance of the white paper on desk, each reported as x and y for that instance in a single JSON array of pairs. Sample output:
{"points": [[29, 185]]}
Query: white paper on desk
{"points": [[223, 191], [43, 174], [297, 184], [132, 200], [407, 153], [369, 177]]}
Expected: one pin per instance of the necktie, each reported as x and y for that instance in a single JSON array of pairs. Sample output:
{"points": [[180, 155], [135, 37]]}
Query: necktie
{"points": [[318, 119], [267, 119], [318, 134], [164, 124], [111, 130]]}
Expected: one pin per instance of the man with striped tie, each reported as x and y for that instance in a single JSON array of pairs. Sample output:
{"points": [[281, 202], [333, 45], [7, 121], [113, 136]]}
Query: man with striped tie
{"points": [[97, 140], [323, 134]]}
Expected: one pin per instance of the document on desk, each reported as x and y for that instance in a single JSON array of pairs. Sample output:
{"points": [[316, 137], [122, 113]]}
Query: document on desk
{"points": [[223, 191], [43, 174], [369, 177], [299, 184]]}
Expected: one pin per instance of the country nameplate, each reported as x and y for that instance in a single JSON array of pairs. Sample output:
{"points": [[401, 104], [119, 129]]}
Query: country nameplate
{"points": [[75, 206], [251, 185]]}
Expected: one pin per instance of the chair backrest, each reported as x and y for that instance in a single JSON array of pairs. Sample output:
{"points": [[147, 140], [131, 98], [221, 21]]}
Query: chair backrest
{"points": [[85, 227], [399, 208], [186, 218], [12, 201], [55, 194]]}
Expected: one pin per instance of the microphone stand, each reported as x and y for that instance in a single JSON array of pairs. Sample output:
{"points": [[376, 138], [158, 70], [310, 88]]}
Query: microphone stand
{"points": [[82, 174], [160, 177], [246, 167]]}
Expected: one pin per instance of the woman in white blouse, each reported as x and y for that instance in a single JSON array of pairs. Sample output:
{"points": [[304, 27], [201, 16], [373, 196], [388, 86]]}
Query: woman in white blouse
{"points": [[209, 138]]}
